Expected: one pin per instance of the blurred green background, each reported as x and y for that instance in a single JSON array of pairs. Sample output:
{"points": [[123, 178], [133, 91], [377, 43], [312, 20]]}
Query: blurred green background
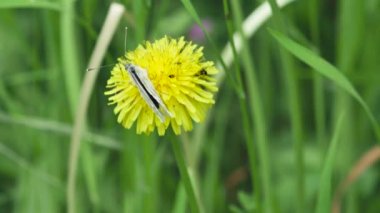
{"points": [[281, 148]]}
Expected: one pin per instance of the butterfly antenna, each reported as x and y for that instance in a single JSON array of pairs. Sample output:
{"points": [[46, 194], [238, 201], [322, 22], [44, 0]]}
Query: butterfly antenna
{"points": [[125, 40], [101, 67]]}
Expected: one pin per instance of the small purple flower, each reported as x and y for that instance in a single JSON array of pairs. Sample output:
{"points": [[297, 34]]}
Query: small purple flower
{"points": [[196, 33]]}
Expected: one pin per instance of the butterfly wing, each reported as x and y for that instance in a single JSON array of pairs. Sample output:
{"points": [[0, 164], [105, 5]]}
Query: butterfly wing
{"points": [[143, 75], [148, 92]]}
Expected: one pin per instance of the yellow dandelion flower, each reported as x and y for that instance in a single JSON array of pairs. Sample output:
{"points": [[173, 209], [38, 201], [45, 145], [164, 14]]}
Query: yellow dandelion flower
{"points": [[182, 85]]}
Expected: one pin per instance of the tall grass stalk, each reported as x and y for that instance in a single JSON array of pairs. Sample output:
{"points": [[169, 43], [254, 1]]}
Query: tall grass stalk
{"points": [[329, 71], [256, 189], [350, 27], [256, 113], [212, 193], [114, 14], [51, 47], [318, 93], [69, 53], [140, 12], [71, 72], [251, 24], [291, 82], [186, 179], [325, 183]]}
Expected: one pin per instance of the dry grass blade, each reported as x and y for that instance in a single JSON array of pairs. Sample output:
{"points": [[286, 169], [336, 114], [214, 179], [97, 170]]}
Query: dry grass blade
{"points": [[114, 15], [368, 159], [251, 24]]}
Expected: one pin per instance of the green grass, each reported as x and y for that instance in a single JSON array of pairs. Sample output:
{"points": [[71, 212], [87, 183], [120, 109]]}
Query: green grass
{"points": [[298, 107]]}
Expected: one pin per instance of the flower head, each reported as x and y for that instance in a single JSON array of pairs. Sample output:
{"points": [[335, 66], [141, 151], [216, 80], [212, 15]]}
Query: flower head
{"points": [[180, 76]]}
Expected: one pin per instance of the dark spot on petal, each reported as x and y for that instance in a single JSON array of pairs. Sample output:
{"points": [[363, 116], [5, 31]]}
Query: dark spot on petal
{"points": [[203, 72], [171, 76], [180, 51]]}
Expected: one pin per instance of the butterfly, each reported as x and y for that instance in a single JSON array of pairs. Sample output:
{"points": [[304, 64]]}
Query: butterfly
{"points": [[150, 95]]}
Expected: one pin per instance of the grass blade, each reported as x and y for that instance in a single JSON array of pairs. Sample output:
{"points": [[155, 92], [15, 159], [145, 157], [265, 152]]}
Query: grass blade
{"points": [[257, 116], [326, 69], [30, 4], [45, 125], [188, 183], [114, 14], [292, 86], [324, 195]]}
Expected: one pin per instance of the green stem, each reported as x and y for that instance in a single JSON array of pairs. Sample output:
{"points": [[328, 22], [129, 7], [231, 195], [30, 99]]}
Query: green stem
{"points": [[70, 60], [257, 115], [190, 190], [318, 95], [244, 111], [149, 155], [294, 107], [319, 107], [251, 155], [70, 66]]}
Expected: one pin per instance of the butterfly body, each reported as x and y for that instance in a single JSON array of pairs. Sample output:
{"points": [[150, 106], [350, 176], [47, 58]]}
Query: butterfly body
{"points": [[146, 88]]}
